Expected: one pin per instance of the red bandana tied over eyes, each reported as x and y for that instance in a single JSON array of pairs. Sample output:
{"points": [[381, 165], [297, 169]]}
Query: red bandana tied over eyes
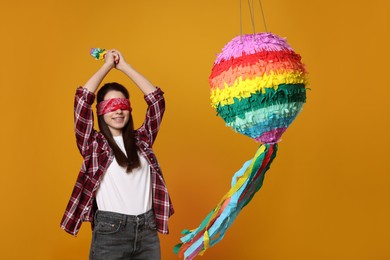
{"points": [[113, 104]]}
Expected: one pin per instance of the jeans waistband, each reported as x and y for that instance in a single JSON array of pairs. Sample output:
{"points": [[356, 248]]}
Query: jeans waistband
{"points": [[142, 218]]}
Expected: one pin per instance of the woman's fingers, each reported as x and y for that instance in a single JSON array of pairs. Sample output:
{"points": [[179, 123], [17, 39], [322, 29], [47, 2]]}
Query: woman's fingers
{"points": [[115, 55]]}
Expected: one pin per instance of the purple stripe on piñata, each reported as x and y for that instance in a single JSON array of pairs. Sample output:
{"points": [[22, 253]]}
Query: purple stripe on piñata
{"points": [[250, 44], [272, 136]]}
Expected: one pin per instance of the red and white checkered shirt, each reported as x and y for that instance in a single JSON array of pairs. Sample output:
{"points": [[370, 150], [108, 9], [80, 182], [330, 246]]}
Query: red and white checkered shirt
{"points": [[98, 155]]}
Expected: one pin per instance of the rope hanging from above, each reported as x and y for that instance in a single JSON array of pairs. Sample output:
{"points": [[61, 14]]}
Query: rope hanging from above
{"points": [[252, 16]]}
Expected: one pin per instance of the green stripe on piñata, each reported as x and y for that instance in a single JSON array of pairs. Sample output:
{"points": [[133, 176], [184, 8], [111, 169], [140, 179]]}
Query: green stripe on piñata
{"points": [[285, 93]]}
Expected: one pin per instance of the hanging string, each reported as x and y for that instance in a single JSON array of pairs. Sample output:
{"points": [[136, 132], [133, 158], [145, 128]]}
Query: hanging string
{"points": [[252, 13], [241, 21], [262, 14]]}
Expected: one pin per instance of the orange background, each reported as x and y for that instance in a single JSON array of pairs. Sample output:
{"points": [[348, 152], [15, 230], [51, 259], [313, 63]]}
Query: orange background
{"points": [[326, 195]]}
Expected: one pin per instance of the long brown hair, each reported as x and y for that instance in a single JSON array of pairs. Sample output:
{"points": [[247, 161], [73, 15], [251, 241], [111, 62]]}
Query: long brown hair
{"points": [[131, 161]]}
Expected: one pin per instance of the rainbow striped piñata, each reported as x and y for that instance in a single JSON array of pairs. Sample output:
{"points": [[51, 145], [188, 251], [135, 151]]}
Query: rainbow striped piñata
{"points": [[258, 88]]}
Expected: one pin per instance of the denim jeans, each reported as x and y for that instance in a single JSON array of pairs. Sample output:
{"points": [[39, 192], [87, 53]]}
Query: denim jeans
{"points": [[117, 236]]}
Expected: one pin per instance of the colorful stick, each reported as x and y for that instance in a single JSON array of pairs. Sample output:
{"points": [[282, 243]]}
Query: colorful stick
{"points": [[98, 53]]}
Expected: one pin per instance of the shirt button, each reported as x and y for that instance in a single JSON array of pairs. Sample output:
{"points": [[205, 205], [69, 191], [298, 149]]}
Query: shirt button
{"points": [[86, 208]]}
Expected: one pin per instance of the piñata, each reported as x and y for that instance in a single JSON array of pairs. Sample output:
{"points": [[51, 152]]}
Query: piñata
{"points": [[258, 87]]}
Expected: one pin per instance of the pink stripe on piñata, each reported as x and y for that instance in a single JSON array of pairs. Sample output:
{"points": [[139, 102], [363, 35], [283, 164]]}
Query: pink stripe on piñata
{"points": [[272, 136], [251, 44]]}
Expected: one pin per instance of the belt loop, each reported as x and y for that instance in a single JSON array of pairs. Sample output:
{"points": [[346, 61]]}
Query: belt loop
{"points": [[95, 215], [124, 219], [150, 215]]}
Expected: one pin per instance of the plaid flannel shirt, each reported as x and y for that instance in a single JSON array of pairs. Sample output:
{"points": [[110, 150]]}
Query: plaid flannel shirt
{"points": [[98, 155]]}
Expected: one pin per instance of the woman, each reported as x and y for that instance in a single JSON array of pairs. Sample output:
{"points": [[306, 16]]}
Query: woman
{"points": [[120, 187]]}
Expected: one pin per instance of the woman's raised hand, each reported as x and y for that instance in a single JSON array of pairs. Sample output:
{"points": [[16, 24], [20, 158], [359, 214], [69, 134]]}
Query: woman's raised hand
{"points": [[112, 58], [121, 63]]}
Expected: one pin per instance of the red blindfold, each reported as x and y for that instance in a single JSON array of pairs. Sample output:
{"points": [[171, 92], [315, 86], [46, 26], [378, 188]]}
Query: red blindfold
{"points": [[113, 104]]}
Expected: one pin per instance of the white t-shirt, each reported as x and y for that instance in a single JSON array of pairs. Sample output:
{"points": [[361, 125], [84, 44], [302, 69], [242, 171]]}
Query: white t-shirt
{"points": [[122, 192]]}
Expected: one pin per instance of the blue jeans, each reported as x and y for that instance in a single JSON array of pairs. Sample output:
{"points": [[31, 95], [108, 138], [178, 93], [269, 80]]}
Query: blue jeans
{"points": [[118, 236]]}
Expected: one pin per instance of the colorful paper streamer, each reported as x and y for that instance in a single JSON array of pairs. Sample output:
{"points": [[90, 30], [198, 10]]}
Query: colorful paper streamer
{"points": [[97, 53]]}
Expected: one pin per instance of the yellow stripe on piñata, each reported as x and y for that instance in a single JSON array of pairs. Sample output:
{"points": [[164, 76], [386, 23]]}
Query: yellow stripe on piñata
{"points": [[244, 88], [259, 69]]}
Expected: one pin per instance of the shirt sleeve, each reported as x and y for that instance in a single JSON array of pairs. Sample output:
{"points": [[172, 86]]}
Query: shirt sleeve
{"points": [[83, 118], [154, 115]]}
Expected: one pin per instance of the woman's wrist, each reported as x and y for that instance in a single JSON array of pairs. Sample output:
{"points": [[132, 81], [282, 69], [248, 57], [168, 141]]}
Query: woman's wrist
{"points": [[124, 67], [107, 66]]}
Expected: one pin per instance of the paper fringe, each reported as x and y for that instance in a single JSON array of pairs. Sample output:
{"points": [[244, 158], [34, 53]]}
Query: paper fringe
{"points": [[250, 44], [286, 93], [245, 88], [98, 53], [258, 122], [245, 183], [254, 65]]}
